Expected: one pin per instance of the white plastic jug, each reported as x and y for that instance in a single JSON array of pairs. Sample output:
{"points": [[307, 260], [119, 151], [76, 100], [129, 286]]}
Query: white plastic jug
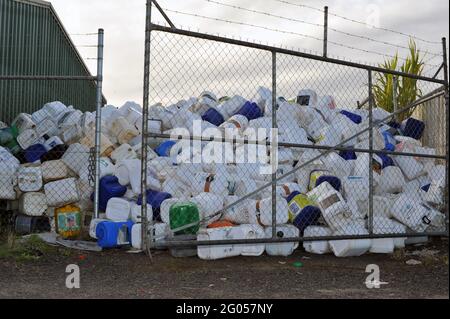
{"points": [[242, 213], [159, 231], [33, 204], [222, 251], [208, 205], [391, 181], [23, 122], [118, 210], [317, 247], [282, 249], [106, 146], [231, 106], [123, 152], [335, 210], [93, 227], [123, 130], [354, 247], [409, 165], [62, 192], [264, 211], [415, 214], [77, 158], [28, 138], [252, 232], [54, 170], [30, 179], [436, 192]]}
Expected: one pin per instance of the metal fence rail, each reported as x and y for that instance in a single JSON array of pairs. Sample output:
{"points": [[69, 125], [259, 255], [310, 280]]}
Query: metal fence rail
{"points": [[180, 64]]}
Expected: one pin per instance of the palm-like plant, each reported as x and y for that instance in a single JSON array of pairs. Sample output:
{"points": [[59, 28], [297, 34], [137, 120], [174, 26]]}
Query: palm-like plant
{"points": [[407, 90]]}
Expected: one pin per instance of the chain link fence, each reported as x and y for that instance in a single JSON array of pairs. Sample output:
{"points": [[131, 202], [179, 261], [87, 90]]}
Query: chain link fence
{"points": [[256, 144]]}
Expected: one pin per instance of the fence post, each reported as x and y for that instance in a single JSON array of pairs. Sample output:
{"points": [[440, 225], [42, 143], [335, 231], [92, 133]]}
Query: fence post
{"points": [[394, 97], [325, 34], [274, 145], [98, 120], [370, 154], [145, 115], [447, 123]]}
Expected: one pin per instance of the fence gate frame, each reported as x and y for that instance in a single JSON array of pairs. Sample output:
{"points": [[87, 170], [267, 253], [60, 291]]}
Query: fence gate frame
{"points": [[148, 239]]}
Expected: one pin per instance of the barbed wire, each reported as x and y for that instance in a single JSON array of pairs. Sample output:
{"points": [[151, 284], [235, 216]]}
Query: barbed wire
{"points": [[315, 25], [360, 22], [285, 32]]}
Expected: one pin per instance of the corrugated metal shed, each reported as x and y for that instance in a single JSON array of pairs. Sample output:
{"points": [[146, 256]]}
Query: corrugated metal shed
{"points": [[33, 41]]}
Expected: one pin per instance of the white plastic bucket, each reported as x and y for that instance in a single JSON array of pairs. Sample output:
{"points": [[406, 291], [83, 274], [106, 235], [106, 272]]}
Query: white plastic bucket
{"points": [[282, 249], [30, 179], [317, 247], [118, 210], [61, 193], [33, 204]]}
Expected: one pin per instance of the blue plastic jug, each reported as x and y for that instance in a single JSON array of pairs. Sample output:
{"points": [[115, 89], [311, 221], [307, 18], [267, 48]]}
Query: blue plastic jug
{"points": [[383, 160], [389, 141], [308, 215], [348, 155], [109, 188], [35, 152], [163, 150], [155, 199], [214, 117], [113, 234], [413, 128], [251, 111], [355, 118], [332, 180]]}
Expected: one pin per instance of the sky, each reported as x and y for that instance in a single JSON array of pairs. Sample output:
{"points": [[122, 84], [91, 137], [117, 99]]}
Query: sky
{"points": [[124, 23]]}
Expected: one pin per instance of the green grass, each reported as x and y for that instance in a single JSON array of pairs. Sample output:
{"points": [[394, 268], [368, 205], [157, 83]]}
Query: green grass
{"points": [[30, 249]]}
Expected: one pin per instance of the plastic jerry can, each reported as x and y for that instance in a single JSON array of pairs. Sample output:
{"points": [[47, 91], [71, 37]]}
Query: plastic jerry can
{"points": [[252, 232], [35, 152], [183, 214], [106, 147], [114, 234], [54, 170], [282, 249], [307, 98], [302, 211], [76, 157], [118, 209], [123, 152], [30, 179], [221, 251], [33, 204], [62, 192], [109, 188], [264, 210], [23, 122], [27, 138], [351, 248], [123, 130], [46, 127], [24, 225], [52, 142], [93, 227], [68, 221], [159, 233], [317, 247]]}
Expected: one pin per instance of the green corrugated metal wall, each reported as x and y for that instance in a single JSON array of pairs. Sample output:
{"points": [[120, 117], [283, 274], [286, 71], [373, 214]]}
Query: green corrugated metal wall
{"points": [[32, 42]]}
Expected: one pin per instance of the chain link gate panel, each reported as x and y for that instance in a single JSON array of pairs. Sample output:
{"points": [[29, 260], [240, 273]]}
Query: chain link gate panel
{"points": [[276, 142]]}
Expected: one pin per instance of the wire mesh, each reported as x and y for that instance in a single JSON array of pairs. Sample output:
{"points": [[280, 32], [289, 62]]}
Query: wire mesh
{"points": [[307, 167]]}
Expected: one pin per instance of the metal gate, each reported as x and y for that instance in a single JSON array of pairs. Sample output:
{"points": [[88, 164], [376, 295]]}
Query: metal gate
{"points": [[180, 64]]}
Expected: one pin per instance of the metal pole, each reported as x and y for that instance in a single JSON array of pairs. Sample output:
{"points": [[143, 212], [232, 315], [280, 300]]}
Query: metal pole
{"points": [[274, 146], [394, 96], [371, 188], [98, 120], [145, 112], [325, 33], [447, 123]]}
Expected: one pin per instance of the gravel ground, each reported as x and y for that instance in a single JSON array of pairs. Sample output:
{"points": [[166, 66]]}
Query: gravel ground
{"points": [[118, 274]]}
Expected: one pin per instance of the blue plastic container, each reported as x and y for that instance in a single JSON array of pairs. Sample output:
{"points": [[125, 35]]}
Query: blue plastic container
{"points": [[35, 152], [413, 128], [107, 233], [389, 141], [214, 117], [426, 188], [355, 118], [332, 180], [155, 199], [109, 188], [163, 150], [251, 111], [348, 155], [308, 216], [386, 161]]}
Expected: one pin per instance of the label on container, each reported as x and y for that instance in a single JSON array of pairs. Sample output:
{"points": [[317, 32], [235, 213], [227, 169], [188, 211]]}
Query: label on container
{"points": [[69, 222]]}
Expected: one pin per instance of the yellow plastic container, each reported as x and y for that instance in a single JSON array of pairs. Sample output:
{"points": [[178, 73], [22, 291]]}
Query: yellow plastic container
{"points": [[68, 221]]}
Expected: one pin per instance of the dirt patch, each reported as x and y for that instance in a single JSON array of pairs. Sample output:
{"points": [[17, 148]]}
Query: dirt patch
{"points": [[117, 274]]}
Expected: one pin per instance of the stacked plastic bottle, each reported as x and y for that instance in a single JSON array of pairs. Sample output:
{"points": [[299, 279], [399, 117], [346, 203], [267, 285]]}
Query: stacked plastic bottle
{"points": [[46, 164]]}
